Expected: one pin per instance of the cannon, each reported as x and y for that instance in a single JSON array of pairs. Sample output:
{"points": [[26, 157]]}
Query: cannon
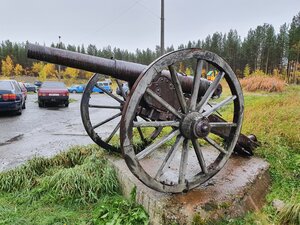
{"points": [[175, 131]]}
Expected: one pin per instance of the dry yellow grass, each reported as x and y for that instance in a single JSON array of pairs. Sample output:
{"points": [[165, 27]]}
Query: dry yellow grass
{"points": [[262, 83]]}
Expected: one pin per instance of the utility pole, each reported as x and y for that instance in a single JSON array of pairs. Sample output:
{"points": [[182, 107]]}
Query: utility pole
{"points": [[59, 46], [162, 28]]}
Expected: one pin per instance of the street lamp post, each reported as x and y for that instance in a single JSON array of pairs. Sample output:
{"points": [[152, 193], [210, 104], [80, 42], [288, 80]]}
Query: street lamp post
{"points": [[59, 46], [162, 28]]}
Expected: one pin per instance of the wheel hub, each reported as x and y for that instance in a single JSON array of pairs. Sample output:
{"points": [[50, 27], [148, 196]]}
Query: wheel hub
{"points": [[194, 125]]}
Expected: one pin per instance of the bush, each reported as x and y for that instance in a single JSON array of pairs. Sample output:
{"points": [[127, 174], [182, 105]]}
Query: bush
{"points": [[262, 83]]}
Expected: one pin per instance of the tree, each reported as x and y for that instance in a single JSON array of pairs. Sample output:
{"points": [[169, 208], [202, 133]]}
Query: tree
{"points": [[294, 42], [44, 70], [92, 50], [82, 50], [86, 74], [247, 70], [188, 71], [18, 70], [71, 48], [49, 70], [181, 67], [71, 73], [7, 66], [37, 67], [232, 46], [281, 51]]}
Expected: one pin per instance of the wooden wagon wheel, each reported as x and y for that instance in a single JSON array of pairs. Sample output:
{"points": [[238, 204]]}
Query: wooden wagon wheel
{"points": [[103, 132], [192, 150]]}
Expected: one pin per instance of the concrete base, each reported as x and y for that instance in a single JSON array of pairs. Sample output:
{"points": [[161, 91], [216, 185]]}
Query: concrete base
{"points": [[239, 187]]}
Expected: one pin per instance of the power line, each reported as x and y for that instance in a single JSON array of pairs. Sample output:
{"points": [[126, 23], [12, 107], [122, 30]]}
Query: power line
{"points": [[115, 19], [150, 11]]}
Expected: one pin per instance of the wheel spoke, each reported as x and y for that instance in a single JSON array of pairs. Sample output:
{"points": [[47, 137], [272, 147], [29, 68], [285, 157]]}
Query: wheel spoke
{"points": [[163, 103], [156, 124], [178, 89], [110, 94], [169, 157], [107, 120], [222, 124], [156, 145], [216, 111], [215, 144], [113, 133], [199, 156], [183, 162], [141, 134], [219, 105], [196, 85], [213, 86], [121, 89], [140, 131], [105, 106]]}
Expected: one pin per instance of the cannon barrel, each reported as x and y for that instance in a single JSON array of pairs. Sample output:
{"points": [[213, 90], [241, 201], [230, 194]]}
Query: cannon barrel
{"points": [[119, 69], [127, 71]]}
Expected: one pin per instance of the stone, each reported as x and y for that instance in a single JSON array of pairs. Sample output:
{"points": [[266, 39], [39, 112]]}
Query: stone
{"points": [[278, 204], [239, 187]]}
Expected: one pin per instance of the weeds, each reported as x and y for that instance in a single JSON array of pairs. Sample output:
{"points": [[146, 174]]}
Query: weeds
{"points": [[262, 83], [27, 175], [274, 119], [74, 187], [84, 183], [118, 210], [290, 214]]}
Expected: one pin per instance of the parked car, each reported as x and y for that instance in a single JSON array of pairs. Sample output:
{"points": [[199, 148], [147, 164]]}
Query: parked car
{"points": [[105, 85], [11, 97], [108, 81], [125, 87], [38, 83], [30, 87], [23, 89], [77, 88], [53, 92]]}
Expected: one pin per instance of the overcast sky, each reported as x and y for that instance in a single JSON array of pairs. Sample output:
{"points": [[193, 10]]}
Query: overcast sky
{"points": [[132, 24]]}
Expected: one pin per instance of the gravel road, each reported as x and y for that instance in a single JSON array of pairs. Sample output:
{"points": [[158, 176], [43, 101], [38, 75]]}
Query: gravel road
{"points": [[46, 131]]}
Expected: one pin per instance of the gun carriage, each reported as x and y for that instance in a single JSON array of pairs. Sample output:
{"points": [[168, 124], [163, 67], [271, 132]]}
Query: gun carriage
{"points": [[179, 118]]}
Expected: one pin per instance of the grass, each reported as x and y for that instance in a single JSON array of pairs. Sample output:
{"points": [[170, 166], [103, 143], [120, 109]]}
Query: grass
{"points": [[71, 100], [79, 187], [275, 119], [290, 214], [73, 187], [116, 210]]}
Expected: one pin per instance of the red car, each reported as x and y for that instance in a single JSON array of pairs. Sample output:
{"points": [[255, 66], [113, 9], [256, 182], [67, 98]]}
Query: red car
{"points": [[53, 92], [24, 90]]}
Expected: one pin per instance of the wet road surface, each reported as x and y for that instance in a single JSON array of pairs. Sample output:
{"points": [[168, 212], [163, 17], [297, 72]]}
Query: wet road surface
{"points": [[45, 131]]}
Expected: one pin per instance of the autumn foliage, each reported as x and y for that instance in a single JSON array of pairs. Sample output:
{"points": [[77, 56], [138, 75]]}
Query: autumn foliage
{"points": [[262, 83]]}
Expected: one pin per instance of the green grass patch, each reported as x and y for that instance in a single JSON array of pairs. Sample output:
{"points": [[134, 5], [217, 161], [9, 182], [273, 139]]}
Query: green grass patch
{"points": [[116, 210], [74, 187], [275, 119], [71, 100]]}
